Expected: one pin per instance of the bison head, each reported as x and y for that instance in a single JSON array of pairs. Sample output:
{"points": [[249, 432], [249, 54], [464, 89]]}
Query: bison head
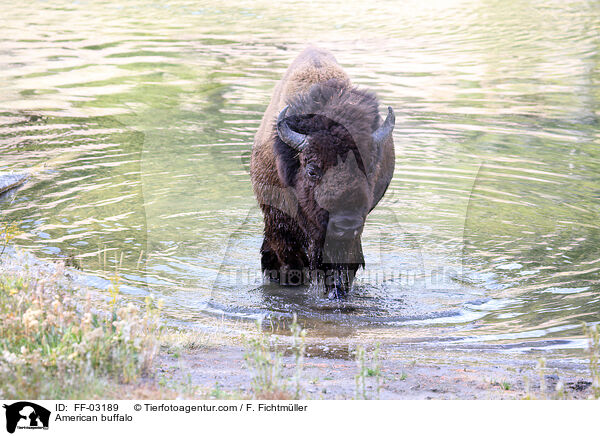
{"points": [[328, 147]]}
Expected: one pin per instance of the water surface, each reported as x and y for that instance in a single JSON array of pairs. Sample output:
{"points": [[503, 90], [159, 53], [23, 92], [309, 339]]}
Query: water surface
{"points": [[137, 118]]}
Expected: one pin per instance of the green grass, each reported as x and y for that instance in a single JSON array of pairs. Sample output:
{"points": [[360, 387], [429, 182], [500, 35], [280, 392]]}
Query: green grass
{"points": [[265, 363], [8, 232], [362, 390], [53, 344], [593, 335], [372, 372]]}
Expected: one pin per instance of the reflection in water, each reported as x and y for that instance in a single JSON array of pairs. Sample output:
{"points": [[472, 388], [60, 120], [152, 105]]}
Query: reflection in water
{"points": [[139, 117]]}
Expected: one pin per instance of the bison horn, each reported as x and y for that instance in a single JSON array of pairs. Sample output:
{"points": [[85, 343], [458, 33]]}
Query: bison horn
{"points": [[385, 129], [294, 139]]}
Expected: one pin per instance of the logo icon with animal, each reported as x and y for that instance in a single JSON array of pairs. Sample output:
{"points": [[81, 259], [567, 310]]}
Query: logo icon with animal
{"points": [[26, 415]]}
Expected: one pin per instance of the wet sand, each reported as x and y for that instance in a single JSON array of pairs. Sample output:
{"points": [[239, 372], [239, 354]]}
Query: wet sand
{"points": [[416, 376]]}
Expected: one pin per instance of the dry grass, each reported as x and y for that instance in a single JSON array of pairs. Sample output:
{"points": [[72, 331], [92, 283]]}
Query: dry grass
{"points": [[54, 345]]}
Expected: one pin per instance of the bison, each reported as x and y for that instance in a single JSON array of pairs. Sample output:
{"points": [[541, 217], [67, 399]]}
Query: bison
{"points": [[321, 161]]}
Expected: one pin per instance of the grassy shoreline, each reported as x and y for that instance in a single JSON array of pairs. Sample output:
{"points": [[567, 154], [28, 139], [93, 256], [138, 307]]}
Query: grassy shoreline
{"points": [[56, 343]]}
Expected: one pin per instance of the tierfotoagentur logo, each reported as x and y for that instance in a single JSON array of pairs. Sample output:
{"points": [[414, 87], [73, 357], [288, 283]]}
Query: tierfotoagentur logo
{"points": [[26, 415]]}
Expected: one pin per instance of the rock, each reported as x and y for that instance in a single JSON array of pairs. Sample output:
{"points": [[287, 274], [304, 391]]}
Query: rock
{"points": [[580, 385], [11, 180]]}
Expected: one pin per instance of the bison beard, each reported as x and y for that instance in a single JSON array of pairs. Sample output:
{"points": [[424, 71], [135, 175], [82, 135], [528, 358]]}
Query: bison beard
{"points": [[319, 166]]}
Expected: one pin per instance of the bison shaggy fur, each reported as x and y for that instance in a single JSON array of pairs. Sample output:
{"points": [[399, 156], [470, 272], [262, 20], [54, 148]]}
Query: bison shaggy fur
{"points": [[321, 161]]}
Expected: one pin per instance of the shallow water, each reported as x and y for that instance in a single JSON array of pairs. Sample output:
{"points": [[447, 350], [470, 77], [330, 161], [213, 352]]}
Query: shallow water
{"points": [[138, 117]]}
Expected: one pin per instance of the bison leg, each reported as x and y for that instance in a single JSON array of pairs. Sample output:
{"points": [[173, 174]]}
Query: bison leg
{"points": [[282, 253], [268, 261]]}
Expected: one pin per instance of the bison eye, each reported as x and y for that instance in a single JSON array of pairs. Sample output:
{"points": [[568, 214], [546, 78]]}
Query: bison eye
{"points": [[313, 172]]}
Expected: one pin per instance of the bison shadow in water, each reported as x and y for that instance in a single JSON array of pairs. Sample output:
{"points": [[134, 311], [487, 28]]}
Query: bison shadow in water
{"points": [[322, 159], [34, 414]]}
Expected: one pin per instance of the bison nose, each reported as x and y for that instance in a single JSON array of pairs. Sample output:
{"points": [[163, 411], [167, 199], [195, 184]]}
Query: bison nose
{"points": [[346, 226]]}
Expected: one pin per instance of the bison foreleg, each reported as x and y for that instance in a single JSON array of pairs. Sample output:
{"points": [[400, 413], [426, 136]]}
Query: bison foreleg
{"points": [[268, 259], [282, 253]]}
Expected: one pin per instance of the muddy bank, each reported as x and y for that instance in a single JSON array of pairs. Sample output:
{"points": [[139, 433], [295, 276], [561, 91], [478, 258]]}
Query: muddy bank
{"points": [[225, 368]]}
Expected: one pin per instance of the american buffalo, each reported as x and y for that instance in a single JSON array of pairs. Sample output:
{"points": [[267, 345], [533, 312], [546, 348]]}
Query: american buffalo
{"points": [[321, 161]]}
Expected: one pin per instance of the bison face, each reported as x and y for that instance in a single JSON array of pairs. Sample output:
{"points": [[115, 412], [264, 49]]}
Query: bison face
{"points": [[332, 188], [331, 174], [328, 177]]}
